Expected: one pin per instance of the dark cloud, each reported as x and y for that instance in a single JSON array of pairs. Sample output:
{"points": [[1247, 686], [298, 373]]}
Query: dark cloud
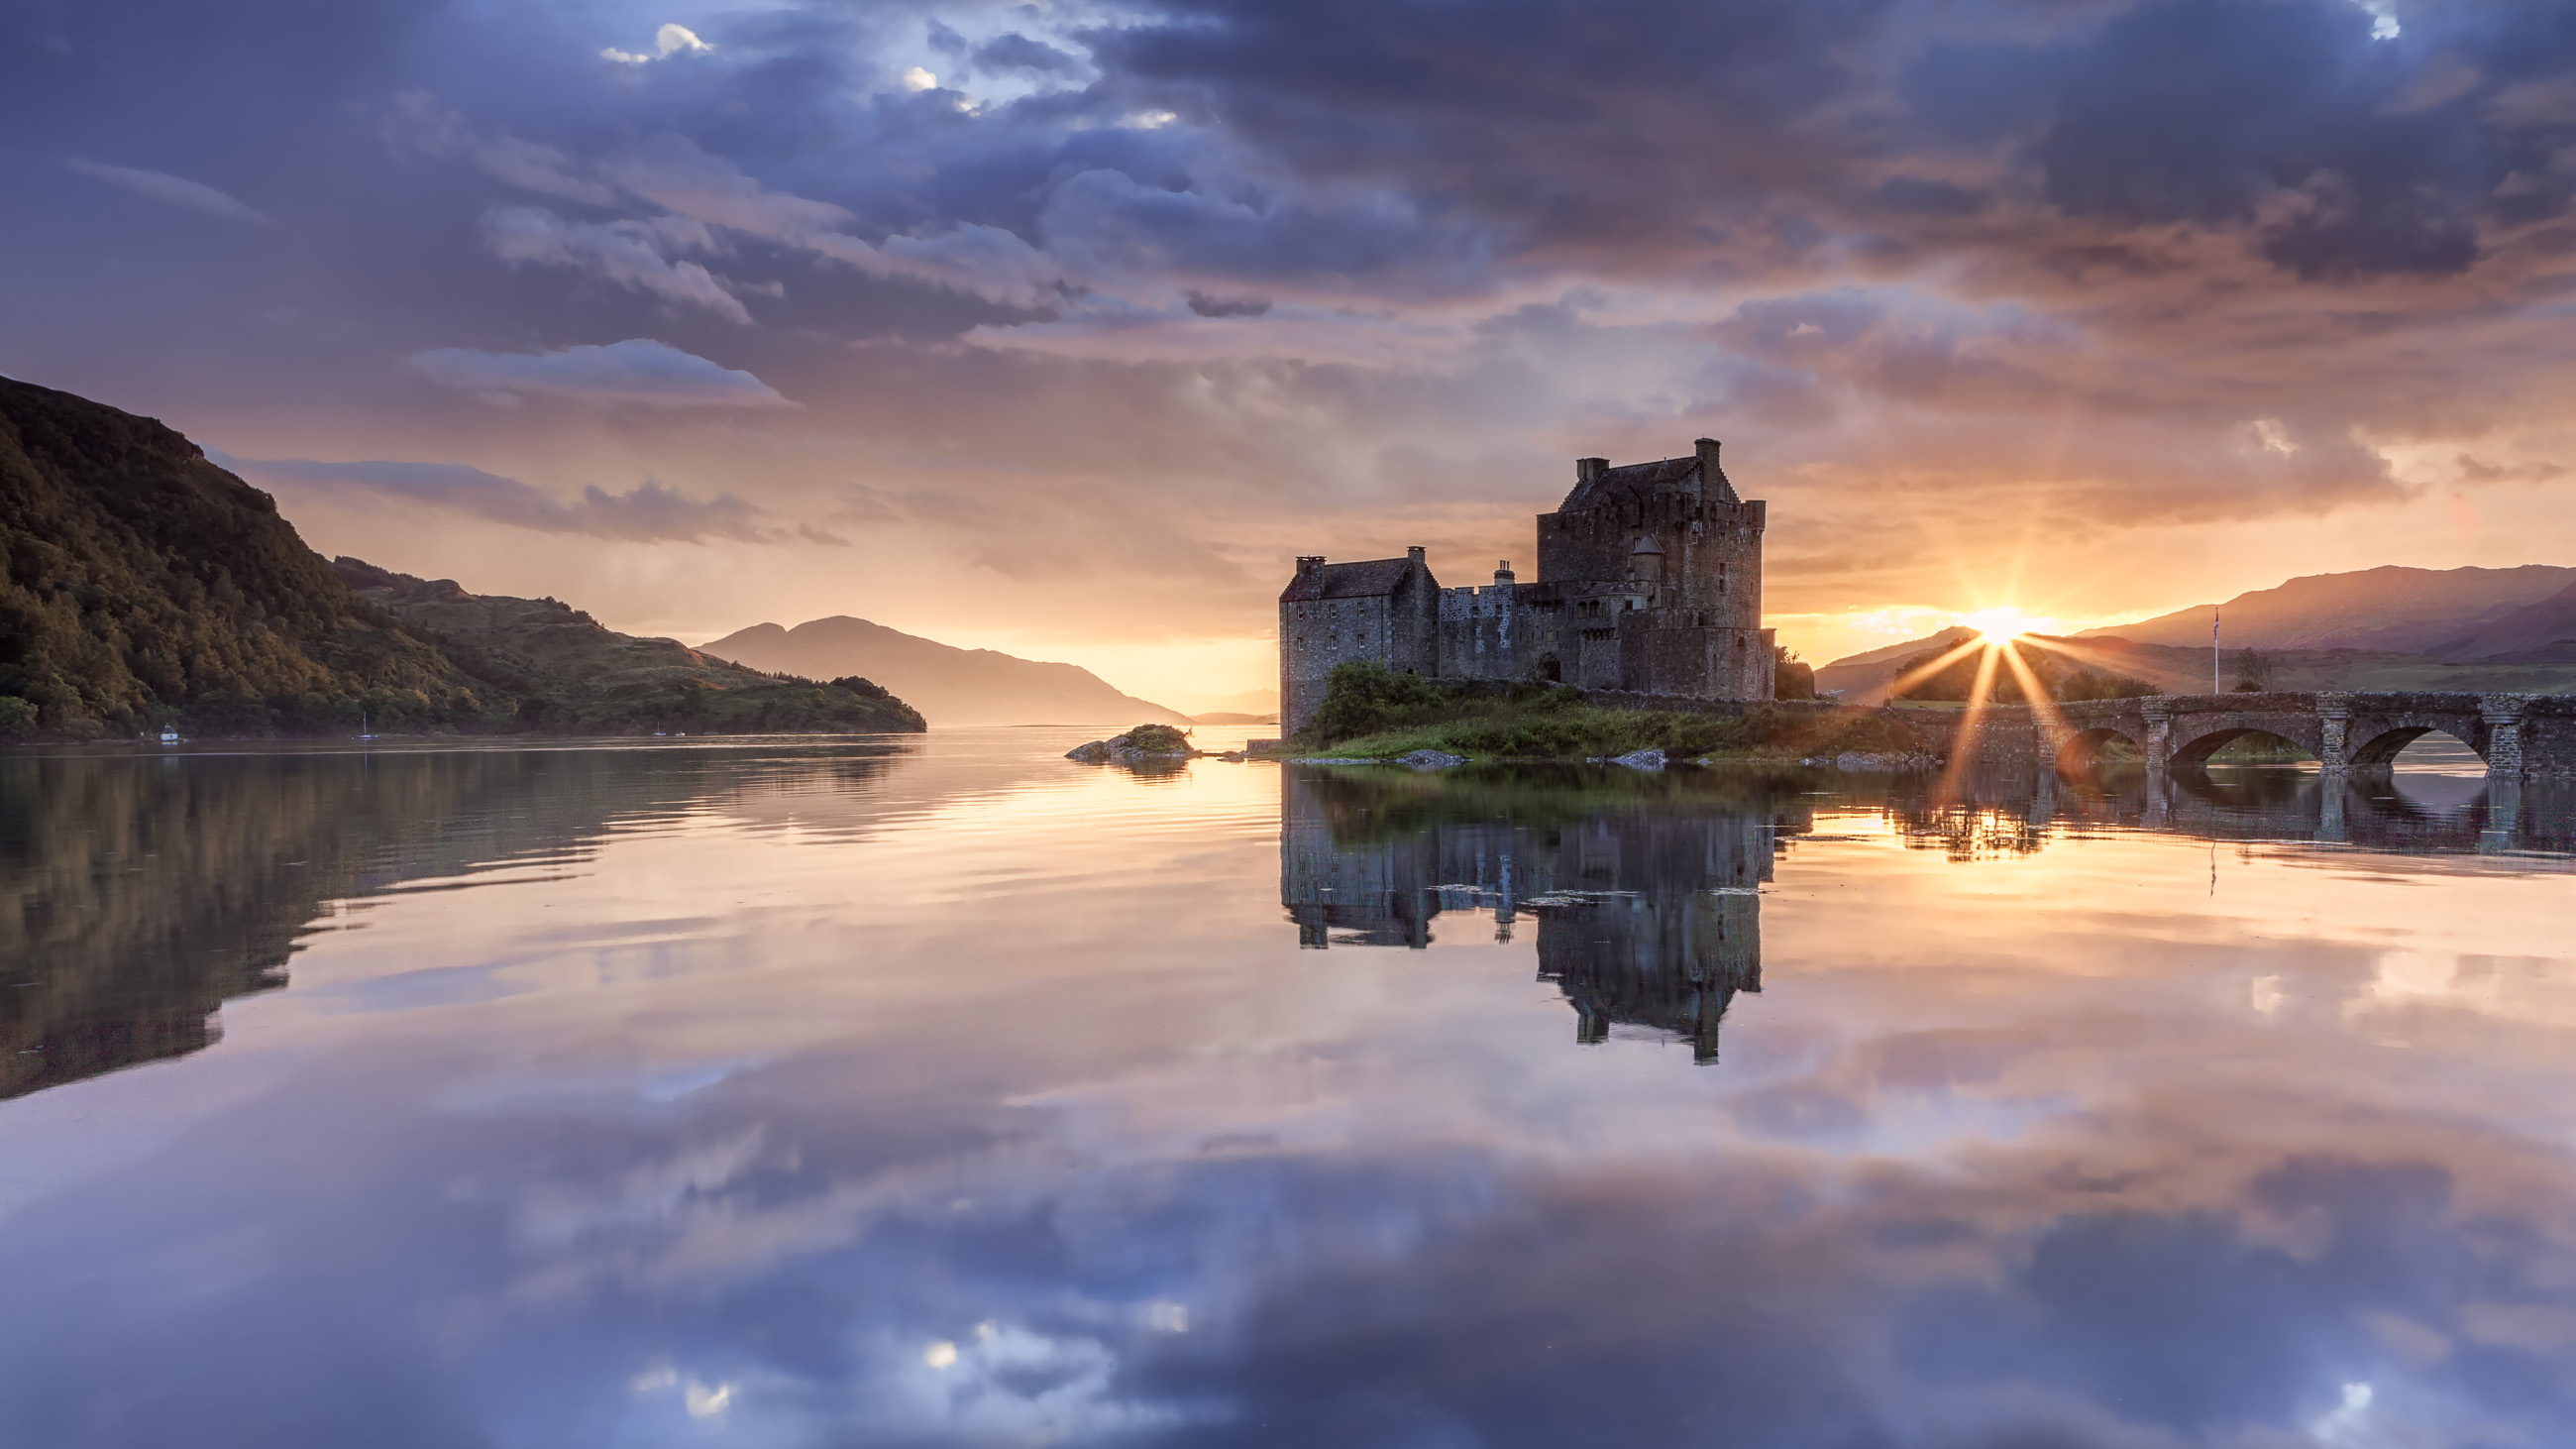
{"points": [[1017, 52], [1207, 306], [647, 513], [2206, 110]]}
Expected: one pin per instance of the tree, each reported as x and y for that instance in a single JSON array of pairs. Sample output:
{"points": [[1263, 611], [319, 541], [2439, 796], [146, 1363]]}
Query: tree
{"points": [[2253, 672], [1791, 678]]}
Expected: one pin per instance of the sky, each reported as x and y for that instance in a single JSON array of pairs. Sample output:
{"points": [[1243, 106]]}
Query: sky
{"points": [[1061, 328]]}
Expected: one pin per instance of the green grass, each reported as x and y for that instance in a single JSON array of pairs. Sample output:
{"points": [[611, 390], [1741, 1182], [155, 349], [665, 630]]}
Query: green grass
{"points": [[1374, 713]]}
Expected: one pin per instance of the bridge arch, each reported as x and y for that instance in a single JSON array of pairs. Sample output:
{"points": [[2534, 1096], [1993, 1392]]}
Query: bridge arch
{"points": [[2381, 750], [2198, 747], [2083, 750]]}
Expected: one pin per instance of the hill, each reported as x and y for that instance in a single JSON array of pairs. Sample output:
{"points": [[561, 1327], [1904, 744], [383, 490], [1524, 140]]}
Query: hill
{"points": [[2543, 632], [1864, 678], [2392, 610], [566, 671], [949, 685], [141, 585]]}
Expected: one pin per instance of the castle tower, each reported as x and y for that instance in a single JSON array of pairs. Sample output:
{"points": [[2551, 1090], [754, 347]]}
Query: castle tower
{"points": [[1679, 553]]}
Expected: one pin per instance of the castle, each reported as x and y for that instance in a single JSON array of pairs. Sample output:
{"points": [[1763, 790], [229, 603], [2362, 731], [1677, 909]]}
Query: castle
{"points": [[1649, 582]]}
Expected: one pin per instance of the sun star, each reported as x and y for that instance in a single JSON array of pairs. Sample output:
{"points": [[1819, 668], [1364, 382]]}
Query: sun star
{"points": [[2004, 623]]}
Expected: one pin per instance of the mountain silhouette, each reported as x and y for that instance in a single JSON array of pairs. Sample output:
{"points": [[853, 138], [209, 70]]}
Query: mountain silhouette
{"points": [[949, 685]]}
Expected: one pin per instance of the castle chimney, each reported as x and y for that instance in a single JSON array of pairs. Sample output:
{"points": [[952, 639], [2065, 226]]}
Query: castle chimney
{"points": [[1503, 573], [1415, 554], [1309, 563], [1707, 449], [1587, 469]]}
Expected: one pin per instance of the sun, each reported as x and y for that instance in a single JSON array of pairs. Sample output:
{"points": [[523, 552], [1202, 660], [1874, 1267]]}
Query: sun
{"points": [[2002, 624]]}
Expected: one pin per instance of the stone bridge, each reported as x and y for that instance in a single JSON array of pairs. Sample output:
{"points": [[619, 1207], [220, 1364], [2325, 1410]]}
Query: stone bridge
{"points": [[2516, 734]]}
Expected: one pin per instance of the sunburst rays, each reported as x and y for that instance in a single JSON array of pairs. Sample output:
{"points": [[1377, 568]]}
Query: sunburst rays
{"points": [[1998, 649]]}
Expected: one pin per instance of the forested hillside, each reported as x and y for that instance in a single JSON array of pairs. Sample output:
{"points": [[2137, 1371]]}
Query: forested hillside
{"points": [[141, 585]]}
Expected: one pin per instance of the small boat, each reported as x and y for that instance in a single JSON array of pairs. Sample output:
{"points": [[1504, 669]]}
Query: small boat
{"points": [[364, 733], [169, 734]]}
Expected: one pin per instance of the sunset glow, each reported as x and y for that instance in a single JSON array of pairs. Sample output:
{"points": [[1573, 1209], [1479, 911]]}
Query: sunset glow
{"points": [[2004, 622]]}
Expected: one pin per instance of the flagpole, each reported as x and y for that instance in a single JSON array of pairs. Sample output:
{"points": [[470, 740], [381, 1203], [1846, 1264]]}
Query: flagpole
{"points": [[2213, 649]]}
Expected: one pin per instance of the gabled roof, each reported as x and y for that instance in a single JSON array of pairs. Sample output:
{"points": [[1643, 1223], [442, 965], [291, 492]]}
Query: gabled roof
{"points": [[1370, 579], [1637, 480]]}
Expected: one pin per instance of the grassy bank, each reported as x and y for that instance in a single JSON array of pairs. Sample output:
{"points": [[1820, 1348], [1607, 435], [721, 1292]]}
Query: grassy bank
{"points": [[1374, 712]]}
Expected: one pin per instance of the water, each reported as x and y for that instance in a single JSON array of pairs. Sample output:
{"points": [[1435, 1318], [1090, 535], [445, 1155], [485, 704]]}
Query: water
{"points": [[939, 1091]]}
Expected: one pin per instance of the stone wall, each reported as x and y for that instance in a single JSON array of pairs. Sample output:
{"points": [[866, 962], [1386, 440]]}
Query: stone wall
{"points": [[2514, 734]]}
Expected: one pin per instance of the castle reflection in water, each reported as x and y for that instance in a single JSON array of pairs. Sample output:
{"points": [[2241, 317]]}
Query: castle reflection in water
{"points": [[1643, 887]]}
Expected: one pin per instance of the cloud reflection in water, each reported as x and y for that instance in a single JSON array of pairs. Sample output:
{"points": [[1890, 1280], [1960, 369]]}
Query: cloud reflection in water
{"points": [[2068, 1143]]}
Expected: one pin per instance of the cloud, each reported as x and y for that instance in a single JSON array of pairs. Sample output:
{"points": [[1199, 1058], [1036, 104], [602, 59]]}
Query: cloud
{"points": [[668, 41], [1207, 306], [647, 513], [674, 173], [629, 253], [638, 372], [2097, 240], [1014, 51], [167, 189]]}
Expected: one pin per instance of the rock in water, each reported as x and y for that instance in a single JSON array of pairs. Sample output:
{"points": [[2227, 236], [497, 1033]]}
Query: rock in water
{"points": [[1861, 762], [1145, 744], [1641, 760], [1431, 760]]}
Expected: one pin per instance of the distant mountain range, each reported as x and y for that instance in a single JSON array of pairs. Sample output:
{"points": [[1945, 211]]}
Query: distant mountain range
{"points": [[568, 671], [142, 586], [2385, 628], [1252, 704], [2438, 613], [949, 685]]}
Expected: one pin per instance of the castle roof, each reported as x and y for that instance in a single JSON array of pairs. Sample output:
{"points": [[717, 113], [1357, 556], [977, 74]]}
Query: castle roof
{"points": [[1612, 486], [1369, 579]]}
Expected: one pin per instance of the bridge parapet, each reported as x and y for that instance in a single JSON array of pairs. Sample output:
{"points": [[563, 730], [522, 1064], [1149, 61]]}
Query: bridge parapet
{"points": [[2516, 734]]}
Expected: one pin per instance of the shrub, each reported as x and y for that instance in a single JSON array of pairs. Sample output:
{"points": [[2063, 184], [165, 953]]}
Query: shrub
{"points": [[1156, 739], [1363, 697]]}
